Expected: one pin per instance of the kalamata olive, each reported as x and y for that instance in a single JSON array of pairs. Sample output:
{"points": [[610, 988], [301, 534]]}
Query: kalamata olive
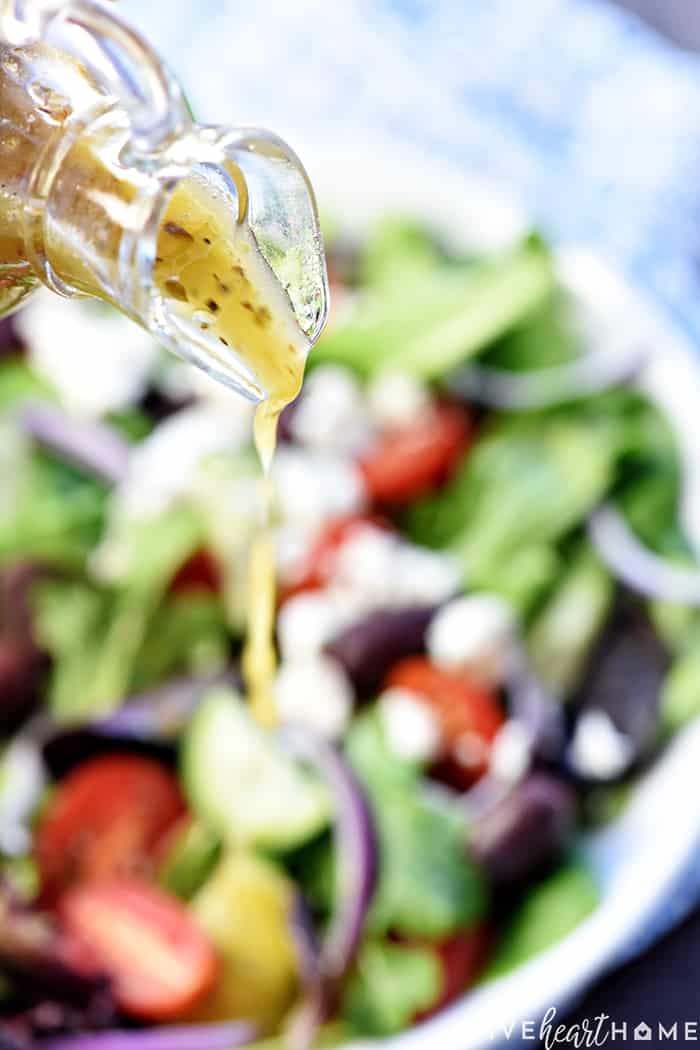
{"points": [[15, 584], [525, 830], [369, 648], [10, 341], [616, 712], [22, 668]]}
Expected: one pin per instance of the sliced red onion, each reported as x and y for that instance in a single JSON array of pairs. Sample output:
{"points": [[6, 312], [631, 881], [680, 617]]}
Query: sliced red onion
{"points": [[356, 874], [635, 565], [151, 721], [356, 848], [543, 387], [93, 447], [162, 712], [311, 1011], [220, 1036], [533, 708]]}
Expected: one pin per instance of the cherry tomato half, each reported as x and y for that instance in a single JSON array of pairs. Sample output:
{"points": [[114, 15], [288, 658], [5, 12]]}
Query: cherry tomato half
{"points": [[106, 818], [408, 462], [159, 961], [461, 958], [469, 715]]}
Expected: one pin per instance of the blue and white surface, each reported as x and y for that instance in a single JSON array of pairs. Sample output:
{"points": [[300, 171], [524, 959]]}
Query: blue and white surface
{"points": [[575, 106]]}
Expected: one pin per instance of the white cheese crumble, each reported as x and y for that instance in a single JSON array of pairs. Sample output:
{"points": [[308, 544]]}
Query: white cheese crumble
{"points": [[365, 564], [412, 731], [511, 752], [381, 569], [97, 360], [395, 398], [331, 413], [474, 634], [424, 577], [598, 749], [308, 620], [314, 691], [163, 466], [313, 486], [22, 783]]}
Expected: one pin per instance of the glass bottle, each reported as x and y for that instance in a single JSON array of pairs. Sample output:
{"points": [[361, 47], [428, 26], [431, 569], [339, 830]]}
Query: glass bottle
{"points": [[99, 157]]}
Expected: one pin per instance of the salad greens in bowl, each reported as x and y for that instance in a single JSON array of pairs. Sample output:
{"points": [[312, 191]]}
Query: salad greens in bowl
{"points": [[488, 681]]}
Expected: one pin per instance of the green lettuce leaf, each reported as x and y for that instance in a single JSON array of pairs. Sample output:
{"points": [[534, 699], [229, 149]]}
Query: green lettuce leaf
{"points": [[96, 634], [427, 317], [549, 912], [565, 629], [390, 984], [427, 886]]}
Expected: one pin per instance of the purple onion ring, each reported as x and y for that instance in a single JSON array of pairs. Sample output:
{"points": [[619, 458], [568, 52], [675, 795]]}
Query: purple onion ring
{"points": [[94, 447], [220, 1036]]}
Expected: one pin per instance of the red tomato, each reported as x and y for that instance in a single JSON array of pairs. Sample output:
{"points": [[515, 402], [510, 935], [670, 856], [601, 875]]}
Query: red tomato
{"points": [[106, 818], [199, 573], [159, 961], [469, 715], [408, 462], [461, 957], [319, 563]]}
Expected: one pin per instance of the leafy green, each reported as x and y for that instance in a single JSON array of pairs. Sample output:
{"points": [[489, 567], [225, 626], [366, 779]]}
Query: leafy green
{"points": [[390, 984], [427, 886], [190, 860], [133, 423], [532, 478], [677, 625], [680, 696], [396, 252], [548, 913], [19, 383], [547, 338], [439, 314], [187, 633], [51, 512], [368, 752], [528, 574], [564, 631], [312, 867], [96, 634]]}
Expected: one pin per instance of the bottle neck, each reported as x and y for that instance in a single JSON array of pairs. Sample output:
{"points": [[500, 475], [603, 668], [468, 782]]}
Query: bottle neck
{"points": [[95, 220], [78, 209]]}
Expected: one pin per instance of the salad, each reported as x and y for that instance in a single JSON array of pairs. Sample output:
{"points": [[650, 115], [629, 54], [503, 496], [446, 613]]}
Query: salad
{"points": [[486, 630]]}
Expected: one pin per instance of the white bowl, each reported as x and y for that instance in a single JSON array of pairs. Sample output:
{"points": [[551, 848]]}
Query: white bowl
{"points": [[647, 862]]}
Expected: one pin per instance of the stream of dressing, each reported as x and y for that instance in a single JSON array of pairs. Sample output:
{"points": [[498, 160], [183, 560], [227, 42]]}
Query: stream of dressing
{"points": [[223, 283]]}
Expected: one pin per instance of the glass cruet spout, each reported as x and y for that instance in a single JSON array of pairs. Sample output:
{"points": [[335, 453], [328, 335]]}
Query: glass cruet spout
{"points": [[206, 236]]}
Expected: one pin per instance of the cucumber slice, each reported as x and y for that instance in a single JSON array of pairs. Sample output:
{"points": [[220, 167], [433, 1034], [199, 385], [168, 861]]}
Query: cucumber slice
{"points": [[241, 782]]}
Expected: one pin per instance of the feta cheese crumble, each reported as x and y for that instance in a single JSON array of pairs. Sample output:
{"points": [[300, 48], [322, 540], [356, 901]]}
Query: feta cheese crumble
{"points": [[476, 635]]}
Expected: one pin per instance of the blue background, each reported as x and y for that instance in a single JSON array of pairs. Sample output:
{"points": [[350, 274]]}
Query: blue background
{"points": [[576, 106]]}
